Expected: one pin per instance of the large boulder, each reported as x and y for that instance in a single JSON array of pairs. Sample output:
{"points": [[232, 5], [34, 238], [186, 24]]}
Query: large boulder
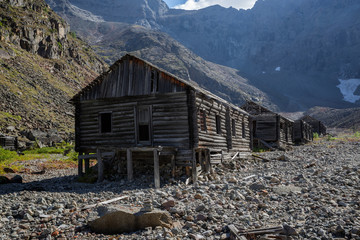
{"points": [[125, 219]]}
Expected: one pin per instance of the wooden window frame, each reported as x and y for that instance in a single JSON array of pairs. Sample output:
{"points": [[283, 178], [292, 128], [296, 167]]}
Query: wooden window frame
{"points": [[150, 129], [154, 81], [203, 125], [233, 127], [101, 122]]}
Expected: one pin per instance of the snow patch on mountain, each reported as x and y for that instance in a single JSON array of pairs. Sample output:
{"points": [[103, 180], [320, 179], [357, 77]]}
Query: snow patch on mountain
{"points": [[348, 87]]}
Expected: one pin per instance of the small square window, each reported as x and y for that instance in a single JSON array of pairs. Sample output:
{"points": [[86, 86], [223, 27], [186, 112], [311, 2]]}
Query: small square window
{"points": [[105, 122]]}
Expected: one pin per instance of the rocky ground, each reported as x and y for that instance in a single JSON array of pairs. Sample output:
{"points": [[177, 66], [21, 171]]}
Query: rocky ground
{"points": [[314, 189]]}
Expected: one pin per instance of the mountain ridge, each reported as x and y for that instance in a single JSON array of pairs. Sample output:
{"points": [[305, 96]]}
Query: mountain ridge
{"points": [[312, 43]]}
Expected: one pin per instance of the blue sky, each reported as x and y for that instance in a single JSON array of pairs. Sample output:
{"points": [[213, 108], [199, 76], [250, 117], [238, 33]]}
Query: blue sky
{"points": [[197, 4]]}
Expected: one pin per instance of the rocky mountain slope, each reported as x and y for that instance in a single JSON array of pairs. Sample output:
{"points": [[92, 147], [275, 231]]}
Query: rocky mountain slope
{"points": [[337, 118], [293, 50], [42, 65]]}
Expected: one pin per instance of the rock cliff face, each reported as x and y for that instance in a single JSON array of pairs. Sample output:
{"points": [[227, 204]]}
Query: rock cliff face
{"points": [[42, 65], [293, 50]]}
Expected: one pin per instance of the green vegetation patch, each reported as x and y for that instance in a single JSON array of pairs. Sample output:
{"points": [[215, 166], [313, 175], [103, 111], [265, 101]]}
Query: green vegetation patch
{"points": [[7, 115], [7, 155]]}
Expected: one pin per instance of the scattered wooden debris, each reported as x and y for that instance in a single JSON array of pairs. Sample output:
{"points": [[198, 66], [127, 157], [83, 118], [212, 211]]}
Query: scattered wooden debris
{"points": [[271, 232], [313, 164], [103, 203], [248, 177], [262, 158]]}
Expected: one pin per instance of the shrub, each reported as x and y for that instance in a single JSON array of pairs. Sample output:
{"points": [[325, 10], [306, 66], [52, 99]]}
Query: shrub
{"points": [[315, 135], [72, 34], [45, 150], [330, 138], [60, 45], [73, 155], [7, 154]]}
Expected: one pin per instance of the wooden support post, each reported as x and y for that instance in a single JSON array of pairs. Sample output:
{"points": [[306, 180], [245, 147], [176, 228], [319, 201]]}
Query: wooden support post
{"points": [[173, 166], [156, 169], [194, 172], [200, 160], [80, 165], [129, 164], [100, 166], [207, 161], [87, 166]]}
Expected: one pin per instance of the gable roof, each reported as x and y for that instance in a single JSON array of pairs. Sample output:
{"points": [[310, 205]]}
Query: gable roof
{"points": [[190, 84], [309, 118], [262, 110]]}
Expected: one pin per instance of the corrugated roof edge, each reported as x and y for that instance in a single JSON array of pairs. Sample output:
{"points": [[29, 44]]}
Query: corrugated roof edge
{"points": [[194, 85]]}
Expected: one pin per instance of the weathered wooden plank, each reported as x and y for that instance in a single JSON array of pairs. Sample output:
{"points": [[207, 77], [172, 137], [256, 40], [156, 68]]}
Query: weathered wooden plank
{"points": [[156, 169], [100, 166], [129, 165]]}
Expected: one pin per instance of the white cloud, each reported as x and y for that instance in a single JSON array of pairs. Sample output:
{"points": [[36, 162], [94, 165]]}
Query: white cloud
{"points": [[198, 4]]}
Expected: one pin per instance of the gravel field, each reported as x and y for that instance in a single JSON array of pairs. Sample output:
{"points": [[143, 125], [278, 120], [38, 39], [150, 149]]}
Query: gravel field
{"points": [[313, 189]]}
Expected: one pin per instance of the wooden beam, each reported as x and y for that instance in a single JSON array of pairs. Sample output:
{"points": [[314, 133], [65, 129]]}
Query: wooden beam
{"points": [[207, 162], [156, 169], [80, 165], [194, 172], [100, 166], [88, 156], [173, 166], [87, 166], [105, 202], [129, 164], [236, 154]]}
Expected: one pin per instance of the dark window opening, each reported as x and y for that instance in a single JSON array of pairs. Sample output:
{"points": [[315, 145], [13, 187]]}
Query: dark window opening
{"points": [[144, 124], [218, 124], [144, 133], [281, 125], [243, 129], [105, 122], [154, 84], [203, 126], [233, 127]]}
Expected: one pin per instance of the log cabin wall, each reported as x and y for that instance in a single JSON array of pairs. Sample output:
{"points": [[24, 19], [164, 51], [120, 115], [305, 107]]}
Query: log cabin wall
{"points": [[168, 123], [241, 131], [317, 126], [221, 127], [286, 131], [302, 132], [266, 127], [9, 143]]}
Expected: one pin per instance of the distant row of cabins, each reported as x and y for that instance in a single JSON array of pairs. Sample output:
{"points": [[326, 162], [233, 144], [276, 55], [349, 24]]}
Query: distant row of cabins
{"points": [[139, 112]]}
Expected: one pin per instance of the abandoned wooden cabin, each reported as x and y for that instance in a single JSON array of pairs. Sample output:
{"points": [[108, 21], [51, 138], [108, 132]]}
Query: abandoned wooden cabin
{"points": [[317, 126], [303, 132], [269, 129], [8, 142], [140, 112]]}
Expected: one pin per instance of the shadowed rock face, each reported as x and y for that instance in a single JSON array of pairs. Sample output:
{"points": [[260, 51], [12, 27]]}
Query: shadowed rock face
{"points": [[140, 12], [293, 50]]}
